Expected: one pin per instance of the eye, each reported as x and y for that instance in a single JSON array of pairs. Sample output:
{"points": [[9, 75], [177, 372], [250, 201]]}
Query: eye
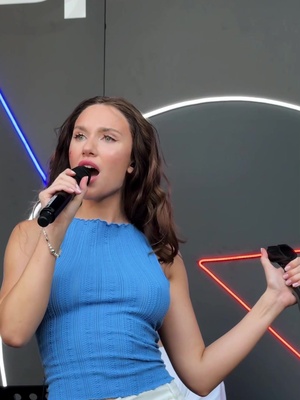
{"points": [[78, 136], [108, 138]]}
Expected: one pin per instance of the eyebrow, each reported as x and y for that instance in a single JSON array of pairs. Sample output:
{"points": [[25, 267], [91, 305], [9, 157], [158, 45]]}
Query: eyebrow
{"points": [[102, 129]]}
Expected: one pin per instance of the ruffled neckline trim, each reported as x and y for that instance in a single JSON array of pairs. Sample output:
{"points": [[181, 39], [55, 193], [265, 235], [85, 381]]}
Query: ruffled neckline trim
{"points": [[101, 221]]}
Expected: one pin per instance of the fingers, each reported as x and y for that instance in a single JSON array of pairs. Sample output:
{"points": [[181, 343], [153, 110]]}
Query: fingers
{"points": [[64, 182], [275, 284], [265, 259], [292, 273], [266, 263], [264, 253], [81, 190], [84, 183]]}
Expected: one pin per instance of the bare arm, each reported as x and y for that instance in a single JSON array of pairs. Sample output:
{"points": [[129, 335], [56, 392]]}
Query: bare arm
{"points": [[203, 368], [28, 271], [29, 268]]}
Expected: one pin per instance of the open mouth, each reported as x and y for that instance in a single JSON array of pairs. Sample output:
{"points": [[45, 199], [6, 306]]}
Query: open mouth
{"points": [[94, 171]]}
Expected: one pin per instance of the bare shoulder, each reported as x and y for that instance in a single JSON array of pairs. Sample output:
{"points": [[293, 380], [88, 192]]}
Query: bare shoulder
{"points": [[176, 270]]}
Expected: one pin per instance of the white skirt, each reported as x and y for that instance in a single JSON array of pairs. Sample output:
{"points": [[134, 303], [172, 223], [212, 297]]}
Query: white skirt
{"points": [[169, 391]]}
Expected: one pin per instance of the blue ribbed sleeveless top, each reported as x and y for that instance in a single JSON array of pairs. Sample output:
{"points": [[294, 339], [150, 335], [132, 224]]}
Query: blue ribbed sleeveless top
{"points": [[98, 338]]}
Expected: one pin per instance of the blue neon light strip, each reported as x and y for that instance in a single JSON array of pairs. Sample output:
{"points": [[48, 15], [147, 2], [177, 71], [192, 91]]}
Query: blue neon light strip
{"points": [[23, 139]]}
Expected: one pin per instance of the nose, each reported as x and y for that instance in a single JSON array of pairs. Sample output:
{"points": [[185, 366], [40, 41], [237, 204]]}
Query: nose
{"points": [[89, 147]]}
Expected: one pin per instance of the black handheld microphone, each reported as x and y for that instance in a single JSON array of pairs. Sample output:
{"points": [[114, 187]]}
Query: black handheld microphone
{"points": [[59, 201], [282, 254]]}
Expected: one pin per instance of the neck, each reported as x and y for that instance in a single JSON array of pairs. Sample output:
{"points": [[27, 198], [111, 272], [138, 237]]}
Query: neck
{"points": [[106, 212]]}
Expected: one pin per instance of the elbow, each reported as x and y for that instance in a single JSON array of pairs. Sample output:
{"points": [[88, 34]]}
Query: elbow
{"points": [[204, 393], [13, 338], [13, 334], [14, 341], [203, 390], [11, 342]]}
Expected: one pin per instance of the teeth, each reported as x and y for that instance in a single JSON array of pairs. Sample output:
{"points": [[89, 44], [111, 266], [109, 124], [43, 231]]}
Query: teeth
{"points": [[90, 167]]}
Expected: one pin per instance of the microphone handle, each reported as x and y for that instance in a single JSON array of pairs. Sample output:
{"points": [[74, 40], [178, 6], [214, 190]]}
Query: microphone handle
{"points": [[56, 204]]}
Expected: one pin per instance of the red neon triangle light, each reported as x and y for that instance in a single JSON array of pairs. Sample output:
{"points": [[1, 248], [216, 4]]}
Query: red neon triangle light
{"points": [[202, 264]]}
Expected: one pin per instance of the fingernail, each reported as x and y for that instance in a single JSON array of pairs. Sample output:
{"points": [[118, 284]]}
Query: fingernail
{"points": [[287, 268], [296, 284], [288, 282], [285, 276], [78, 188]]}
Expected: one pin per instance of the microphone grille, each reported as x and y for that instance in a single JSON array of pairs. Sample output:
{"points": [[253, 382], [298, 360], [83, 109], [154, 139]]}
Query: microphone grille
{"points": [[82, 171]]}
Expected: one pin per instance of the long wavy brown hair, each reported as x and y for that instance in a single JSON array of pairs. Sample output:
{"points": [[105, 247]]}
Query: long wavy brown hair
{"points": [[146, 191]]}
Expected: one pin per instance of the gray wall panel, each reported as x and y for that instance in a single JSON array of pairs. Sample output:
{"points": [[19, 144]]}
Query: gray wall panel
{"points": [[161, 52], [49, 64]]}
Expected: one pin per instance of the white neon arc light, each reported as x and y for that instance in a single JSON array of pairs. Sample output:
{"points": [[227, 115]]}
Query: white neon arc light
{"points": [[6, 2], [218, 99], [172, 107]]}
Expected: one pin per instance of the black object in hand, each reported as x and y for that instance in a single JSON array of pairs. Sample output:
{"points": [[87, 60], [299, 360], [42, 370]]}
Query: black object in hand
{"points": [[59, 201], [282, 254]]}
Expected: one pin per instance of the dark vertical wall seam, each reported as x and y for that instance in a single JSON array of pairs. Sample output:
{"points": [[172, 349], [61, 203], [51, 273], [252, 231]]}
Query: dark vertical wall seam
{"points": [[104, 47]]}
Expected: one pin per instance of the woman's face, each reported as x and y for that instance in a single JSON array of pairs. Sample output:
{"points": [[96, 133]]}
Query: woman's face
{"points": [[102, 141]]}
